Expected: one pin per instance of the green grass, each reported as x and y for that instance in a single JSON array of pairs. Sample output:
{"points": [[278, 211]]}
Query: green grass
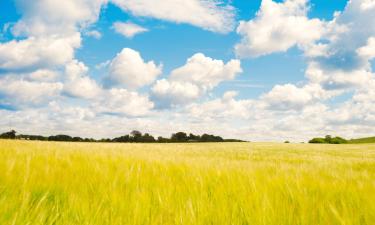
{"points": [[224, 183], [362, 140]]}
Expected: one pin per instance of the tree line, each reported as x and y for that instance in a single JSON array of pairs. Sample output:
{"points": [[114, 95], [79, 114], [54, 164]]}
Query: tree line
{"points": [[328, 139], [134, 137]]}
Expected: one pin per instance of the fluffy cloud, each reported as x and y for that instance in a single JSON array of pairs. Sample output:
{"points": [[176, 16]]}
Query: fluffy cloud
{"points": [[171, 93], [128, 29], [199, 75], [78, 83], [43, 75], [278, 27], [123, 102], [208, 14], [225, 108], [349, 47], [290, 97], [34, 53], [368, 51], [21, 93], [51, 17], [337, 79], [206, 72], [128, 69]]}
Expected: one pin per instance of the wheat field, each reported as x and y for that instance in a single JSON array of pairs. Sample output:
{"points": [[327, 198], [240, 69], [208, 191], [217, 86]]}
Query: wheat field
{"points": [[222, 183]]}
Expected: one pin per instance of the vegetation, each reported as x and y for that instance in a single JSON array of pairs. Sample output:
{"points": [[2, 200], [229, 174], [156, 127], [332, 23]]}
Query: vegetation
{"points": [[8, 135], [198, 183], [362, 140], [134, 137], [328, 140]]}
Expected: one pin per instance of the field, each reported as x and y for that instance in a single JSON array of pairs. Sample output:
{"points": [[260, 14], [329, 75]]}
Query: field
{"points": [[223, 183]]}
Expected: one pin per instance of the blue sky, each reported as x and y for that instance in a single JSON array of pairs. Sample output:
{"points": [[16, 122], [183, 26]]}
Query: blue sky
{"points": [[255, 66]]}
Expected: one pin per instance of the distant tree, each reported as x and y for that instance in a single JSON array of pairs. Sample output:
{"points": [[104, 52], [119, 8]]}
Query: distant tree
{"points": [[125, 138], [135, 136], [9, 135], [60, 137], [338, 140], [317, 141], [148, 138], [163, 140], [179, 137], [193, 137], [328, 138], [77, 139], [286, 142], [211, 138]]}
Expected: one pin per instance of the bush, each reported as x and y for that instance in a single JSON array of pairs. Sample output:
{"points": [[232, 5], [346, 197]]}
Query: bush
{"points": [[317, 141], [328, 140]]}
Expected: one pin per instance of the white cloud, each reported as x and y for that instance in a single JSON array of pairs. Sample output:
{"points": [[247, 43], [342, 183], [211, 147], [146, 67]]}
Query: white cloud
{"points": [[94, 33], [43, 75], [123, 102], [343, 61], [337, 79], [77, 83], [128, 29], [368, 51], [22, 93], [171, 93], [290, 97], [367, 4], [34, 53], [51, 17], [278, 27], [226, 108], [205, 71], [128, 69], [211, 15], [199, 75]]}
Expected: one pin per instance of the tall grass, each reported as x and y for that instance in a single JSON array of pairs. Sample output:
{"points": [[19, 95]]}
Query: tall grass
{"points": [[231, 183]]}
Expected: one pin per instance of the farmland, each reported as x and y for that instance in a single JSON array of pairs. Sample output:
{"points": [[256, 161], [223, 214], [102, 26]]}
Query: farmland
{"points": [[191, 183]]}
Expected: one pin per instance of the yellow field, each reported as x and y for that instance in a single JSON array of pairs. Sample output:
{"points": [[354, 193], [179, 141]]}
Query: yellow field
{"points": [[223, 183]]}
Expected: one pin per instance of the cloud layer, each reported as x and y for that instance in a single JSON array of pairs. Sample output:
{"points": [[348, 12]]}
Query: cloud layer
{"points": [[45, 88]]}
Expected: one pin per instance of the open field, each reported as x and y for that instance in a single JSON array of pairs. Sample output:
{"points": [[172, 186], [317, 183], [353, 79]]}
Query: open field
{"points": [[224, 183]]}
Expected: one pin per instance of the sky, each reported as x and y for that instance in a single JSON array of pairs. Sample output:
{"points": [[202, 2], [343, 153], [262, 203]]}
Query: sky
{"points": [[257, 70]]}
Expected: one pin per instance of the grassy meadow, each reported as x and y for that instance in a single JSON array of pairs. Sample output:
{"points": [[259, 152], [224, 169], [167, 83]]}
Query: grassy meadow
{"points": [[195, 183]]}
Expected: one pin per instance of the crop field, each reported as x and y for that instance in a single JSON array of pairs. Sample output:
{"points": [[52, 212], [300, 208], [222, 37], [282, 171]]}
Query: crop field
{"points": [[194, 183]]}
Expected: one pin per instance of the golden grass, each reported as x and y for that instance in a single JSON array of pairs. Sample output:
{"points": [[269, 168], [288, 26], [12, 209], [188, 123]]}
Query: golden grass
{"points": [[223, 183]]}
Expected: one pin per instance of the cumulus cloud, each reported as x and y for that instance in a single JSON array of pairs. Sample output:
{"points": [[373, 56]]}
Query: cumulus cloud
{"points": [[35, 53], [205, 71], [348, 49], [128, 69], [51, 17], [211, 15], [20, 93], [43, 75], [123, 102], [128, 29], [77, 83], [224, 108], [368, 51], [278, 27], [291, 97], [171, 93], [337, 79], [199, 75]]}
